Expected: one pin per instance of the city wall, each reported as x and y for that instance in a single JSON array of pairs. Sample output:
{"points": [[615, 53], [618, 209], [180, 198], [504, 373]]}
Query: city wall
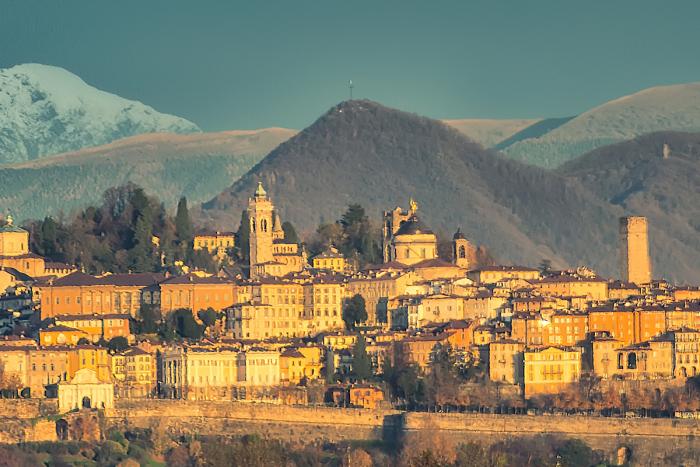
{"points": [[651, 441]]}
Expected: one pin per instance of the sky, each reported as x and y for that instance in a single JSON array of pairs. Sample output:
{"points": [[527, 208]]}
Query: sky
{"points": [[251, 64]]}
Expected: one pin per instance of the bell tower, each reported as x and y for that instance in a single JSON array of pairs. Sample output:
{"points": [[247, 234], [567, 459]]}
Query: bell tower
{"points": [[462, 250], [260, 216]]}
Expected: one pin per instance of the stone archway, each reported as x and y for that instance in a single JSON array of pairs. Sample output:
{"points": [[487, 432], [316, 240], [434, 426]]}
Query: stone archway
{"points": [[62, 429]]}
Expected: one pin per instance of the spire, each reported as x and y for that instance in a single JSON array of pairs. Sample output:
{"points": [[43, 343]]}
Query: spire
{"points": [[276, 223], [260, 191]]}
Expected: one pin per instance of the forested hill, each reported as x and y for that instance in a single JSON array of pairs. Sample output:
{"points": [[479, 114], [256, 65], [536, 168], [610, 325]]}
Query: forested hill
{"points": [[363, 152], [636, 176]]}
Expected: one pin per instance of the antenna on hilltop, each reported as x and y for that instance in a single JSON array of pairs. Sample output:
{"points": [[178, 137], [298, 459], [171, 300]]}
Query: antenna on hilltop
{"points": [[350, 86]]}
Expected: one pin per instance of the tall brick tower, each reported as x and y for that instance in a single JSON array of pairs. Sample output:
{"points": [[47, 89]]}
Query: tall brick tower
{"points": [[634, 250]]}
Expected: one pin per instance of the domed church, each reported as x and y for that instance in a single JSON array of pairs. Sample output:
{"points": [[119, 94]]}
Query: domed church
{"points": [[413, 242]]}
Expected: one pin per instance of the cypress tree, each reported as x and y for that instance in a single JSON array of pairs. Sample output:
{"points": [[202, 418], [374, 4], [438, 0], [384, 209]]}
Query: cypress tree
{"points": [[183, 223]]}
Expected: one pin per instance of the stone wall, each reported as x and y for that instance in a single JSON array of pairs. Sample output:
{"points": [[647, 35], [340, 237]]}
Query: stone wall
{"points": [[293, 424], [651, 441]]}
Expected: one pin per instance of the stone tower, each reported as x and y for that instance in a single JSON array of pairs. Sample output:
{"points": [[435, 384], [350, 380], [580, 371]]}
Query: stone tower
{"points": [[260, 215], [634, 250], [462, 250], [392, 222]]}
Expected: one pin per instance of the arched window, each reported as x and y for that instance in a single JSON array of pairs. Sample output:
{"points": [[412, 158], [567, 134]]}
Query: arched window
{"points": [[252, 224], [462, 252], [263, 225], [632, 361]]}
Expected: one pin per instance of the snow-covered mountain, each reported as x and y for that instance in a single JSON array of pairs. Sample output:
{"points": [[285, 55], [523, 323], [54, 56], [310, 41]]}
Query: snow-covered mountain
{"points": [[661, 108], [48, 110]]}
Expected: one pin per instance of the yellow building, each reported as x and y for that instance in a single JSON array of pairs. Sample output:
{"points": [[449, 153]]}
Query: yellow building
{"points": [[98, 327], [566, 285], [339, 341], [687, 352], [330, 260], [299, 364], [604, 349], [323, 303], [270, 255], [197, 373], [506, 361], [92, 357], [215, 242], [378, 287], [133, 373], [634, 250], [259, 321], [550, 370], [61, 335], [14, 251], [494, 274], [645, 360]]}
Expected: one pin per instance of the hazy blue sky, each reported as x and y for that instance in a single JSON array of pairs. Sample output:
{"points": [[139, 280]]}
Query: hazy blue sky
{"points": [[229, 64]]}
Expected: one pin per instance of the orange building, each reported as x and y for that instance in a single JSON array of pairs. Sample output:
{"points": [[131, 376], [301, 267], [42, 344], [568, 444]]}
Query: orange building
{"points": [[629, 325], [196, 293], [419, 349], [366, 396], [83, 294], [566, 328], [99, 327]]}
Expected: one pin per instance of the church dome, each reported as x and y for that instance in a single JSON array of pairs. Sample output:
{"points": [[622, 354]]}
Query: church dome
{"points": [[413, 226], [459, 235]]}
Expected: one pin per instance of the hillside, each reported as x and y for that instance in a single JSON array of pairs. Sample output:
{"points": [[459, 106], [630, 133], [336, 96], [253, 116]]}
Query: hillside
{"points": [[490, 132], [48, 110], [363, 152], [635, 176], [662, 108], [197, 165]]}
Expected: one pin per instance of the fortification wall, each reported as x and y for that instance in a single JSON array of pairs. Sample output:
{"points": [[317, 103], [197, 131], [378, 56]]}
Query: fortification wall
{"points": [[651, 441], [301, 425]]}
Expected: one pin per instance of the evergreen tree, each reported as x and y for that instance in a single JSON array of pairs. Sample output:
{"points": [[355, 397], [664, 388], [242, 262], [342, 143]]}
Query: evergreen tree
{"points": [[142, 256], [290, 233], [361, 364], [330, 368], [183, 223], [49, 236], [243, 239], [354, 311]]}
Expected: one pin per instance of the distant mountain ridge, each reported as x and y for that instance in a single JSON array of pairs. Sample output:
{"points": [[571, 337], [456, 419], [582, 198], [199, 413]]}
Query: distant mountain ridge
{"points": [[47, 110], [167, 165], [490, 132], [662, 108]]}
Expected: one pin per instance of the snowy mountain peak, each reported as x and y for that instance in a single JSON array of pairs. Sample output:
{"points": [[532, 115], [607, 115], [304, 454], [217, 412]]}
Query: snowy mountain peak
{"points": [[673, 107], [47, 110]]}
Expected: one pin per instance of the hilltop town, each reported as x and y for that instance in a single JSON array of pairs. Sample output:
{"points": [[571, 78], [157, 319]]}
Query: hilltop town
{"points": [[413, 331]]}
